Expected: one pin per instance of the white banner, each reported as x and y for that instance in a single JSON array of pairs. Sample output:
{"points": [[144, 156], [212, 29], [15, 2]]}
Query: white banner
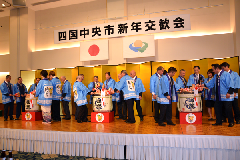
{"points": [[124, 28], [138, 46]]}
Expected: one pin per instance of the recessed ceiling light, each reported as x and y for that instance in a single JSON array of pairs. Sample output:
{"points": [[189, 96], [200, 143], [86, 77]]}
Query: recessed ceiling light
{"points": [[3, 5]]}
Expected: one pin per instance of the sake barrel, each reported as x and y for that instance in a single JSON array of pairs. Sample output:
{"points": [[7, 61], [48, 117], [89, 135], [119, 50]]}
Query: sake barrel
{"points": [[31, 105], [102, 104], [186, 103]]}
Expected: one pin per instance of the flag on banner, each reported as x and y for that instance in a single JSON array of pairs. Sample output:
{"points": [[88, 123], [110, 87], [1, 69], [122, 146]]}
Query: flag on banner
{"points": [[138, 46], [94, 50]]}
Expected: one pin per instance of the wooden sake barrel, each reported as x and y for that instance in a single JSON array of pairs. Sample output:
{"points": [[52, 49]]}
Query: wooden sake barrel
{"points": [[102, 104], [31, 105], [186, 103]]}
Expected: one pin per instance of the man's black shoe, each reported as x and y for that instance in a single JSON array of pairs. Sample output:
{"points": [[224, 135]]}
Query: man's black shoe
{"points": [[238, 122], [231, 125], [224, 121], [161, 124], [171, 123], [130, 122], [217, 124], [12, 119], [5, 119], [17, 119], [141, 119]]}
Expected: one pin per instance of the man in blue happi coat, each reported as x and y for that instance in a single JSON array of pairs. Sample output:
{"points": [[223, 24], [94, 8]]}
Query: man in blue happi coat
{"points": [[155, 78], [167, 94], [34, 86], [139, 89], [93, 86], [110, 83], [234, 75], [122, 107], [80, 97], [56, 96], [182, 82], [126, 84], [224, 96], [7, 97], [195, 79], [21, 89], [66, 96]]}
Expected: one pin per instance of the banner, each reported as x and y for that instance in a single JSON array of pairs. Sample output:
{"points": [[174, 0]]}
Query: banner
{"points": [[94, 50], [138, 46], [124, 28]]}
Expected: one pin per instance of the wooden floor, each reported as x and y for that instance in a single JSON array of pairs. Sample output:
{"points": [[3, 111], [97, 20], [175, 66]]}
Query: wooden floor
{"points": [[148, 126]]}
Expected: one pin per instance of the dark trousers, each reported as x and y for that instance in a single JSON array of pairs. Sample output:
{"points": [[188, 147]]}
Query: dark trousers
{"points": [[177, 113], [77, 111], [18, 109], [66, 109], [236, 109], [227, 106], [139, 108], [10, 104], [81, 115], [122, 109], [55, 108], [130, 103], [166, 109], [114, 107], [157, 109]]}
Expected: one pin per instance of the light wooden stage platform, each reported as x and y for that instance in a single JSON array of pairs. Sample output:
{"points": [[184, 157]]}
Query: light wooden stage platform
{"points": [[148, 126], [118, 140]]}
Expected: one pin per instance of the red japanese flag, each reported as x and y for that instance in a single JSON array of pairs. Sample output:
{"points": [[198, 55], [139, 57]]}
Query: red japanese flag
{"points": [[94, 50]]}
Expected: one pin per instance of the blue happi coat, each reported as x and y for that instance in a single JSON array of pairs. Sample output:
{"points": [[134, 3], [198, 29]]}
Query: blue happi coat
{"points": [[80, 93], [235, 78], [67, 89], [5, 91], [16, 89], [193, 80], [32, 88], [180, 81], [44, 92], [166, 88], [209, 93], [139, 87], [225, 83], [118, 99], [110, 83], [56, 88], [92, 86], [153, 83], [126, 84], [158, 90]]}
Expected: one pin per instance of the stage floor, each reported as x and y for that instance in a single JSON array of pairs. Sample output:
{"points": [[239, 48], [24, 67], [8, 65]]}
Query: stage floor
{"points": [[148, 126]]}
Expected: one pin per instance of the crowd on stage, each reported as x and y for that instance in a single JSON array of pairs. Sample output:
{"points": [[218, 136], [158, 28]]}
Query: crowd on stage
{"points": [[220, 88]]}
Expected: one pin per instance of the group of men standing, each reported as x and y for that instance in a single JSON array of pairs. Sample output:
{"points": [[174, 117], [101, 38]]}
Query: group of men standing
{"points": [[48, 90], [124, 92], [221, 92]]}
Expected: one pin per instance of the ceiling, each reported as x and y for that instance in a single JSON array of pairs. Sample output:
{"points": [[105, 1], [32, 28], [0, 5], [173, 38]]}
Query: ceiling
{"points": [[37, 5]]}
